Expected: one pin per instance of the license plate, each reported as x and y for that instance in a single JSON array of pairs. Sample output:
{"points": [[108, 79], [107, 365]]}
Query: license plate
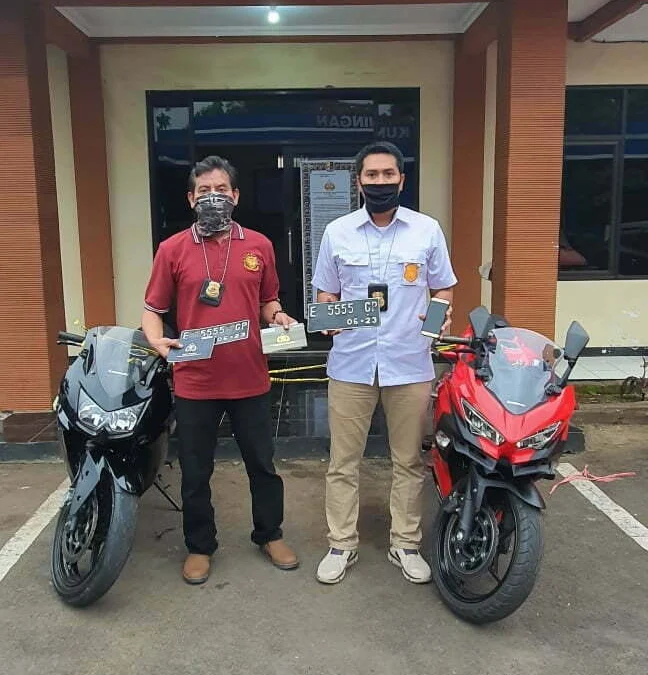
{"points": [[343, 315], [221, 334]]}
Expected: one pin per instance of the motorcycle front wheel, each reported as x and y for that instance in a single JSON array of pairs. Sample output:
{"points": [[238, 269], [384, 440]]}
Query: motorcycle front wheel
{"points": [[489, 576], [90, 550]]}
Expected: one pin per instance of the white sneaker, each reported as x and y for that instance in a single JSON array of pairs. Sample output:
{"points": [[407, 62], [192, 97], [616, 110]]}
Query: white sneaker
{"points": [[411, 562], [332, 568]]}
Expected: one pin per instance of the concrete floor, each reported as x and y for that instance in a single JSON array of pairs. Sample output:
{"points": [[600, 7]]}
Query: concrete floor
{"points": [[587, 615]]}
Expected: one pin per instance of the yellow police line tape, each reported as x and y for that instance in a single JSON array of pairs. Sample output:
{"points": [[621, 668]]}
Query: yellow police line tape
{"points": [[297, 368], [297, 380], [301, 380]]}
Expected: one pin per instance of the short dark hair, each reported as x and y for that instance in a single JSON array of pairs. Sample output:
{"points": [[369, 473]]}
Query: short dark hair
{"points": [[207, 165], [380, 148]]}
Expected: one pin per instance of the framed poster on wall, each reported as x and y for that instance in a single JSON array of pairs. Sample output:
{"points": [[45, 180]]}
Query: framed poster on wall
{"points": [[328, 190]]}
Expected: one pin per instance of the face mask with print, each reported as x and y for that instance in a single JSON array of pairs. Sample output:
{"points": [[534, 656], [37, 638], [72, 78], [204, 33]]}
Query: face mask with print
{"points": [[214, 213]]}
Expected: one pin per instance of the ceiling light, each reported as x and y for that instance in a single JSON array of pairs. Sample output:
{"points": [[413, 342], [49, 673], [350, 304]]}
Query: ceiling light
{"points": [[273, 15]]}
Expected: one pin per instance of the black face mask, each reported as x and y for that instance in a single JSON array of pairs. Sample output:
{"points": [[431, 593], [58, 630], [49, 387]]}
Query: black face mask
{"points": [[214, 213], [381, 198]]}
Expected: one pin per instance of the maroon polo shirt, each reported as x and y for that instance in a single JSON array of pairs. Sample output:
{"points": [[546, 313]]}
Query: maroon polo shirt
{"points": [[238, 369]]}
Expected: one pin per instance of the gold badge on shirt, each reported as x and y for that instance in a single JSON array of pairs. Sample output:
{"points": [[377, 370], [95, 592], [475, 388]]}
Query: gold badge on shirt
{"points": [[377, 295], [411, 272], [251, 262], [213, 289]]}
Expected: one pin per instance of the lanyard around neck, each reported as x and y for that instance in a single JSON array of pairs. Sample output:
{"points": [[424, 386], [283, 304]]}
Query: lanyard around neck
{"points": [[391, 245], [229, 246]]}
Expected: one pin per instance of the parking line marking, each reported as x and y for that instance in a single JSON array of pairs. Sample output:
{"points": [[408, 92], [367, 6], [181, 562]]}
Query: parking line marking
{"points": [[13, 550], [625, 521]]}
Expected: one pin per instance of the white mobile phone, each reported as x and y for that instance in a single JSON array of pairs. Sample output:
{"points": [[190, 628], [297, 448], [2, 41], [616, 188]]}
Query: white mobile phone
{"points": [[435, 317]]}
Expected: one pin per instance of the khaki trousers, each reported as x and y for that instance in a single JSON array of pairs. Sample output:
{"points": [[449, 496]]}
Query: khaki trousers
{"points": [[351, 407]]}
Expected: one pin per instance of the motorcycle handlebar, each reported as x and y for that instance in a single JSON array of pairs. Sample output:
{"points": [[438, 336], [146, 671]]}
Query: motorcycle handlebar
{"points": [[69, 338], [451, 340]]}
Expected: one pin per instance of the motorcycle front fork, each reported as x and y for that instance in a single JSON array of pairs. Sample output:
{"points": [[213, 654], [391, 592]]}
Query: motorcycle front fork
{"points": [[468, 505]]}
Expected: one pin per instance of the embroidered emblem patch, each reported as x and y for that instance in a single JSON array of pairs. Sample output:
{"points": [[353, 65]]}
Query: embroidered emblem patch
{"points": [[411, 272], [251, 262]]}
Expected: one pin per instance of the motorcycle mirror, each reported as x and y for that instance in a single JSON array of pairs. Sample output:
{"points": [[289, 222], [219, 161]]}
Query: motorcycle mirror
{"points": [[479, 321], [576, 340]]}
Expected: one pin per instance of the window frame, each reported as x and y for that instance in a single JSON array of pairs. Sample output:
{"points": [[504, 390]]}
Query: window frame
{"points": [[618, 140]]}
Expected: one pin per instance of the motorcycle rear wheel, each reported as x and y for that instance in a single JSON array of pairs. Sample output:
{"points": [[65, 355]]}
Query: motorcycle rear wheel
{"points": [[88, 554], [505, 548]]}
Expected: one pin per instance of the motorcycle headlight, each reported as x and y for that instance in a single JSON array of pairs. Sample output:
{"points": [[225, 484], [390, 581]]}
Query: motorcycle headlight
{"points": [[90, 414], [539, 440], [95, 418], [123, 421], [479, 426]]}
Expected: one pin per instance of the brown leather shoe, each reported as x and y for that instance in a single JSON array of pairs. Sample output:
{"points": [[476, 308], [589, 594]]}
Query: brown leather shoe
{"points": [[196, 568], [281, 555]]}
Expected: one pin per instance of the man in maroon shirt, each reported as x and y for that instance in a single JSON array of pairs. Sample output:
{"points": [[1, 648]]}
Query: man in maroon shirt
{"points": [[217, 272]]}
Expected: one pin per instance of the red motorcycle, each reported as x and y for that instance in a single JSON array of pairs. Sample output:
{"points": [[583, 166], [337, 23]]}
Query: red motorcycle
{"points": [[500, 424]]}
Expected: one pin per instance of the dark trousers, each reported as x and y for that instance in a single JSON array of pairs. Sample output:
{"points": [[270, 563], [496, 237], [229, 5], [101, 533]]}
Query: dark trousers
{"points": [[197, 428]]}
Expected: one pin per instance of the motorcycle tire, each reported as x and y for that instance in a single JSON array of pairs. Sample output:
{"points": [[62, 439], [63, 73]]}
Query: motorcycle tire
{"points": [[520, 577], [113, 513]]}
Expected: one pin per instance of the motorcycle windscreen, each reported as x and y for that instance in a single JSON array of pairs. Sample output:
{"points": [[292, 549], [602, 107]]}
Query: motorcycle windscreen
{"points": [[123, 359], [522, 364]]}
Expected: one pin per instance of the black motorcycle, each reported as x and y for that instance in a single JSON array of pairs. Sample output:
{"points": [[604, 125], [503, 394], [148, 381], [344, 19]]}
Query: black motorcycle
{"points": [[114, 414]]}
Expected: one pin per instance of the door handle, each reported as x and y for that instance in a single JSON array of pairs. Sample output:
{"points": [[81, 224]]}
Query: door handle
{"points": [[290, 246]]}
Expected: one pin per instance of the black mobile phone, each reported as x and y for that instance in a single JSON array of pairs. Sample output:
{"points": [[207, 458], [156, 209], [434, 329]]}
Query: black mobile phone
{"points": [[435, 317]]}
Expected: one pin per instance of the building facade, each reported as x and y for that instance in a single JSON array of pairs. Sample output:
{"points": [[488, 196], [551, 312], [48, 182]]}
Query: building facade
{"points": [[524, 124]]}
